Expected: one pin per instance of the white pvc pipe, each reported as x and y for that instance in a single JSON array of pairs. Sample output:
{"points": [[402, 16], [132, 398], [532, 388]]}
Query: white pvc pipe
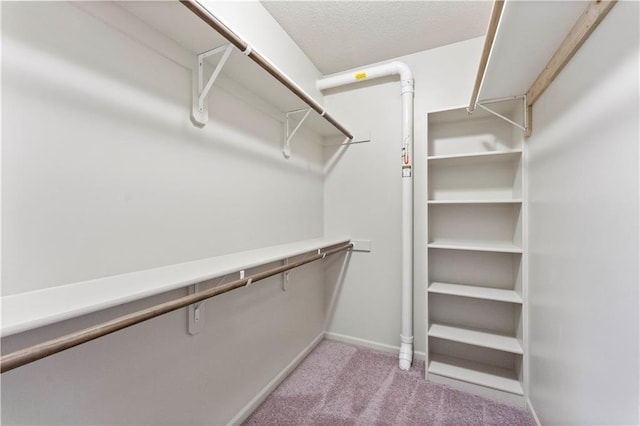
{"points": [[406, 80]]}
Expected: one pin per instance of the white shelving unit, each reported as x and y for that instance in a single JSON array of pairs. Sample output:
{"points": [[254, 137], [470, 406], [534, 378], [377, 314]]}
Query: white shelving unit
{"points": [[476, 251]]}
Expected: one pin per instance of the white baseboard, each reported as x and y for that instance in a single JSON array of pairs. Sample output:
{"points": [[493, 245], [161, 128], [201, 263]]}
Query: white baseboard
{"points": [[248, 409], [533, 413], [356, 341]]}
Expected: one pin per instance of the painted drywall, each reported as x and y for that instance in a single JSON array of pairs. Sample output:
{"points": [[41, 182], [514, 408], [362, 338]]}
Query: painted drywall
{"points": [[583, 249], [362, 190], [103, 173]]}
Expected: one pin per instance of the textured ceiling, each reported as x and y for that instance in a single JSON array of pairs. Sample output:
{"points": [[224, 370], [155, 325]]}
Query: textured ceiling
{"points": [[339, 35]]}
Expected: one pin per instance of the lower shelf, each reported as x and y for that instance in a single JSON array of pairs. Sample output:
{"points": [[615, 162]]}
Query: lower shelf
{"points": [[476, 292], [476, 373], [475, 337]]}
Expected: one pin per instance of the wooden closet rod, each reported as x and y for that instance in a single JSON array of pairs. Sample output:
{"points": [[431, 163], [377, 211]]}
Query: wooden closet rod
{"points": [[244, 47], [496, 11], [34, 353]]}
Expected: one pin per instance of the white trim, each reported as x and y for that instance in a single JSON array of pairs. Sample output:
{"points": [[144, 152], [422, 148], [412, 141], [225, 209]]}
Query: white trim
{"points": [[533, 413], [526, 359], [252, 405], [370, 344]]}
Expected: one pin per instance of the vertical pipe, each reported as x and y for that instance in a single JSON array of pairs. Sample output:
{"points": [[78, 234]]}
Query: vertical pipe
{"points": [[406, 336], [406, 80]]}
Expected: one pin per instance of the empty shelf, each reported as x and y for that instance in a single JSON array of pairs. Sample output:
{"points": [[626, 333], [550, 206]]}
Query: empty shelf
{"points": [[25, 311], [477, 292], [492, 246], [474, 158], [517, 58], [476, 337], [476, 373], [489, 201]]}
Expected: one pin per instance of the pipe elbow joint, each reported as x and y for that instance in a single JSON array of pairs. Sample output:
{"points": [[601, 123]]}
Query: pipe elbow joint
{"points": [[404, 72]]}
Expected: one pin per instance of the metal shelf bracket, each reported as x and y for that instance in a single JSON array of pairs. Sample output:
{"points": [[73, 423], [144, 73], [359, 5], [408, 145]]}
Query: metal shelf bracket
{"points": [[196, 313], [199, 107], [288, 135], [525, 116]]}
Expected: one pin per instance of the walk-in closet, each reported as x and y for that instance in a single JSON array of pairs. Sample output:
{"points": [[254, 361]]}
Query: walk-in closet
{"points": [[276, 212]]}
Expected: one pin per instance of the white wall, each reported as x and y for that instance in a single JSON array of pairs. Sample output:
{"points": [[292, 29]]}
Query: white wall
{"points": [[362, 189], [583, 189], [103, 173]]}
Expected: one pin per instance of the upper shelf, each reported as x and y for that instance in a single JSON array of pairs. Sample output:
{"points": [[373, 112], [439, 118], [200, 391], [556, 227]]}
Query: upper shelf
{"points": [[474, 158], [177, 22], [26, 311], [528, 35]]}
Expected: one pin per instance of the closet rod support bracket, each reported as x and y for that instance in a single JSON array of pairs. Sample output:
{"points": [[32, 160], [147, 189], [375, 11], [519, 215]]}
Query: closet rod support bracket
{"points": [[200, 110], [285, 276], [288, 134], [196, 313]]}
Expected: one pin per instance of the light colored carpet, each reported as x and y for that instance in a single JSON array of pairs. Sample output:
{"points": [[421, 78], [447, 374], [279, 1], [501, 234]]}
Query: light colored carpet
{"points": [[340, 384]]}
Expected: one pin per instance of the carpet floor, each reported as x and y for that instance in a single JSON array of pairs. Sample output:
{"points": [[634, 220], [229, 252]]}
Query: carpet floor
{"points": [[341, 384]]}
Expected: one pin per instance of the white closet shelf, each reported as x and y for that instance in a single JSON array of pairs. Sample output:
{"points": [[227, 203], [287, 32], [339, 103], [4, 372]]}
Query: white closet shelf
{"points": [[474, 158], [472, 245], [26, 311], [475, 337], [517, 58], [488, 201], [460, 114], [474, 372], [476, 292], [173, 20]]}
